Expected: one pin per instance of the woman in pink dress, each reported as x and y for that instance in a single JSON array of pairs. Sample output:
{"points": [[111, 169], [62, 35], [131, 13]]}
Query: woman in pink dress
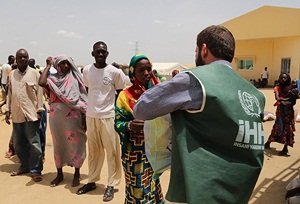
{"points": [[68, 103]]}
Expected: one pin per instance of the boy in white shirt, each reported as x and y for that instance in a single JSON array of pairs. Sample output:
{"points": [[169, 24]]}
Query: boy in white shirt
{"points": [[103, 81]]}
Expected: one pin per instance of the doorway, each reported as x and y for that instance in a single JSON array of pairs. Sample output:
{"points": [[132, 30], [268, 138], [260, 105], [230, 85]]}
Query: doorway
{"points": [[285, 65]]}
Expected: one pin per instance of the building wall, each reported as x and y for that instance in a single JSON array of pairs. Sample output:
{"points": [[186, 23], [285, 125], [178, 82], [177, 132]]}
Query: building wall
{"points": [[261, 51], [287, 48], [268, 53]]}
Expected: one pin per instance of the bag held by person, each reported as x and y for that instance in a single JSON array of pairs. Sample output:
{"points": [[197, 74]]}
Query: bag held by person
{"points": [[158, 143]]}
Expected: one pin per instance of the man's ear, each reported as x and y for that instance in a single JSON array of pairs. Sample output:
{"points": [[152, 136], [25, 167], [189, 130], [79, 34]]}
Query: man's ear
{"points": [[92, 53], [204, 51]]}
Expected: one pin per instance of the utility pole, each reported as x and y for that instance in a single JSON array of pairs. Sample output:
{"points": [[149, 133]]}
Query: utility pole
{"points": [[136, 47]]}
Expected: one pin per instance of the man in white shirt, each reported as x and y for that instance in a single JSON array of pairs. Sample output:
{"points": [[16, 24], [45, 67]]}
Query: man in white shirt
{"points": [[102, 81], [5, 70], [264, 77]]}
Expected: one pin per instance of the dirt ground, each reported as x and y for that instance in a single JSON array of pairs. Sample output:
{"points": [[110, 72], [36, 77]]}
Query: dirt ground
{"points": [[277, 172]]}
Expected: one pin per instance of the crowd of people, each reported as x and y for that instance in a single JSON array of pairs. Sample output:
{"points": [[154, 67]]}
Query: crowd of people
{"points": [[96, 107]]}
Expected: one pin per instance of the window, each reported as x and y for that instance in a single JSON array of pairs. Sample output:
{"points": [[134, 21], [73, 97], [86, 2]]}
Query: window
{"points": [[245, 63], [285, 65]]}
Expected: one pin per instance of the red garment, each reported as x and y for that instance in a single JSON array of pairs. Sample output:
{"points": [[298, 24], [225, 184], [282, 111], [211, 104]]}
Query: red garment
{"points": [[284, 126], [136, 90]]}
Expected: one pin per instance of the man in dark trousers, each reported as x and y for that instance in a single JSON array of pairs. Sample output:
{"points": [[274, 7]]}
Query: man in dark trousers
{"points": [[25, 106]]}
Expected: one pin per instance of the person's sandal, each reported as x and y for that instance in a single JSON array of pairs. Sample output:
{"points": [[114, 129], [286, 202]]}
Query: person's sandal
{"points": [[56, 181], [36, 178], [9, 154], [75, 182], [284, 153], [86, 188], [109, 194], [17, 173]]}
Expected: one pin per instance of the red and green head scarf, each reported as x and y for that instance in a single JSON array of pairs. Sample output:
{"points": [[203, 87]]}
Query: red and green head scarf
{"points": [[137, 89], [153, 80]]}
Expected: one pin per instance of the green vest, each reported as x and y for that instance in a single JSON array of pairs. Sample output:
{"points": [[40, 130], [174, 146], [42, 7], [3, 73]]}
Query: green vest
{"points": [[218, 151]]}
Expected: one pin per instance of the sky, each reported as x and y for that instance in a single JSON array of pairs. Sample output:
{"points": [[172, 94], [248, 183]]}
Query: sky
{"points": [[164, 30]]}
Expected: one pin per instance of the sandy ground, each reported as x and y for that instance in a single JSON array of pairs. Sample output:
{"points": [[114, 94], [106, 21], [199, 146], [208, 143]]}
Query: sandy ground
{"points": [[270, 188]]}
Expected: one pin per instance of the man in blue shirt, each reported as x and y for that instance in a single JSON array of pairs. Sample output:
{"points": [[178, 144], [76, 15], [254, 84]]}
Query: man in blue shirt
{"points": [[217, 140]]}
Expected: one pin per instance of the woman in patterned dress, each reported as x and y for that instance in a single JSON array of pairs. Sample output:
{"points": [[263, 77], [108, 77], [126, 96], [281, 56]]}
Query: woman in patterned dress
{"points": [[140, 186], [284, 126]]}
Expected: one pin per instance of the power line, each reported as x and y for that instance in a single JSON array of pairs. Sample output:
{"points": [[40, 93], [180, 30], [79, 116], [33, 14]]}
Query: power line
{"points": [[136, 47]]}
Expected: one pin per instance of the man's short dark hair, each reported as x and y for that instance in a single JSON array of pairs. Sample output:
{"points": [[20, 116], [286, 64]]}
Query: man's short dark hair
{"points": [[10, 57], [99, 43], [219, 40]]}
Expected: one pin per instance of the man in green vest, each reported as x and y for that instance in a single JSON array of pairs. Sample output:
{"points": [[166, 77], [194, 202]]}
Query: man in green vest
{"points": [[218, 138]]}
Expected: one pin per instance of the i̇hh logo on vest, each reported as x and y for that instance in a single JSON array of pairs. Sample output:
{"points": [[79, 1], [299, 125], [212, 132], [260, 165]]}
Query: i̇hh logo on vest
{"points": [[250, 134]]}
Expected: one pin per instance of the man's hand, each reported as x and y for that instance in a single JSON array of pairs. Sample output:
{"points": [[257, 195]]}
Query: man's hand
{"points": [[39, 115], [7, 117]]}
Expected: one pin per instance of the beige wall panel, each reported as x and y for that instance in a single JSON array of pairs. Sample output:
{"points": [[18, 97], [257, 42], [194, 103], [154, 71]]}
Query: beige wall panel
{"points": [[261, 51], [287, 48]]}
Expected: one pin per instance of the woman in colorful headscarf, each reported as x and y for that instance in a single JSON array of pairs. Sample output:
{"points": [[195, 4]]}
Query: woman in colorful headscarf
{"points": [[140, 186], [68, 103]]}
